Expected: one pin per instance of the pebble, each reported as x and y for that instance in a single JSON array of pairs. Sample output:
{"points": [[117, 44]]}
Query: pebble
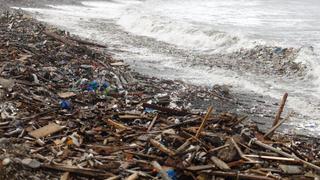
{"points": [[32, 163], [6, 161]]}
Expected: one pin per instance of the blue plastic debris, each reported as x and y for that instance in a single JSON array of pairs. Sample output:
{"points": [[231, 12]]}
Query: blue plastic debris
{"points": [[105, 85], [172, 174], [92, 86], [278, 50], [64, 104], [105, 88], [149, 110]]}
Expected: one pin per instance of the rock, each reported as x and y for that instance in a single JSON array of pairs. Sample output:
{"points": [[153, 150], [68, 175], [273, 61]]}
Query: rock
{"points": [[291, 169], [6, 161], [32, 163], [6, 83], [4, 141], [228, 154]]}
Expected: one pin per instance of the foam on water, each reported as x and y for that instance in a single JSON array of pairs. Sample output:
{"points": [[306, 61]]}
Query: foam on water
{"points": [[207, 27], [181, 33]]}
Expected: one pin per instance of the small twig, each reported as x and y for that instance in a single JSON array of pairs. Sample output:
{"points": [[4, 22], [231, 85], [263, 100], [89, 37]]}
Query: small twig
{"points": [[161, 147], [145, 155], [283, 102], [210, 109], [114, 178], [242, 155], [239, 121], [317, 168], [140, 173], [152, 123], [219, 163], [116, 124], [240, 175], [4, 123], [272, 158], [81, 41], [77, 170], [266, 174], [133, 176], [184, 146], [218, 148], [59, 38], [166, 110], [271, 131], [187, 122]]}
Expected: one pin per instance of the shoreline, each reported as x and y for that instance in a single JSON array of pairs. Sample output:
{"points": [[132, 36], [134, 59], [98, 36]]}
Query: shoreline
{"points": [[120, 76], [271, 61]]}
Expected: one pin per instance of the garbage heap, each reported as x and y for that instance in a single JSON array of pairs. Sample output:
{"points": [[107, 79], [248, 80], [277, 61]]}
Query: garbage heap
{"points": [[70, 111]]}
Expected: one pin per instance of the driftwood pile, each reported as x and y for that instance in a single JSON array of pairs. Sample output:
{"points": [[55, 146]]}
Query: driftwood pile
{"points": [[68, 111]]}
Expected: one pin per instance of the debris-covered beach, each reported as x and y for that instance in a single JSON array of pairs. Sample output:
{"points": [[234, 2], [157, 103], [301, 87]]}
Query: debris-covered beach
{"points": [[70, 110]]}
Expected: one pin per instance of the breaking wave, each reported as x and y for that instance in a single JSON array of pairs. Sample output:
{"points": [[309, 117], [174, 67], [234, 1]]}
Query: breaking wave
{"points": [[200, 37]]}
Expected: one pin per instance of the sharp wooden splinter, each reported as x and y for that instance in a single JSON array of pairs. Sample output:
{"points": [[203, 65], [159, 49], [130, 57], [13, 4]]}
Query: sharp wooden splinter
{"points": [[283, 102], [210, 109]]}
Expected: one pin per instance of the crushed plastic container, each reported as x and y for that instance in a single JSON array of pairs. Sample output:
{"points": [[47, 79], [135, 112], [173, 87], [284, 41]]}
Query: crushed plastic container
{"points": [[64, 104]]}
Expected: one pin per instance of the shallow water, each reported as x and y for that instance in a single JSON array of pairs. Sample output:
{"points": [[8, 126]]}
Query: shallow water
{"points": [[164, 37]]}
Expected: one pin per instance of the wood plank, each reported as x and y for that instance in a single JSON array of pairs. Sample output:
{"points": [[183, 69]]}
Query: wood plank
{"points": [[46, 130]]}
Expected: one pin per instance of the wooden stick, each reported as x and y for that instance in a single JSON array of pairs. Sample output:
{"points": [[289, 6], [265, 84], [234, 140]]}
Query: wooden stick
{"points": [[77, 170], [161, 147], [240, 175], [145, 155], [166, 110], [116, 124], [201, 167], [317, 168], [210, 109], [184, 146], [239, 121], [187, 122], [113, 178], [4, 123], [129, 117], [59, 38], [219, 163], [272, 158], [271, 131], [133, 176], [266, 174], [283, 102], [140, 173], [218, 148], [152, 123], [242, 155], [81, 41], [65, 176]]}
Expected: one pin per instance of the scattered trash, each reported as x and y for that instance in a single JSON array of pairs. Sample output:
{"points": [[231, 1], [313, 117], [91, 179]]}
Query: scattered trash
{"points": [[72, 112]]}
